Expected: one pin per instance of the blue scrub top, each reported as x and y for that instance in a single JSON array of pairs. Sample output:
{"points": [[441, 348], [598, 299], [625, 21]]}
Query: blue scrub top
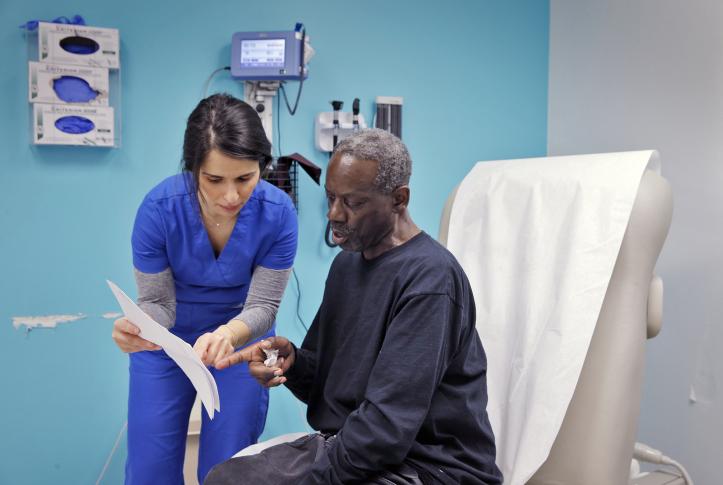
{"points": [[169, 232]]}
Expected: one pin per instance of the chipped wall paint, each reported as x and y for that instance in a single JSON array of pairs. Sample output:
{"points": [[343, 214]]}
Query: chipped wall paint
{"points": [[46, 321], [52, 321]]}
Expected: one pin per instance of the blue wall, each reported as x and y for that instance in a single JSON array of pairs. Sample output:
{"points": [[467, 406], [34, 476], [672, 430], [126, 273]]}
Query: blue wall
{"points": [[473, 76]]}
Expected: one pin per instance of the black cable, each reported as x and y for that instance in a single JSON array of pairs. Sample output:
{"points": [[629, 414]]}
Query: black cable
{"points": [[298, 300], [292, 112], [208, 80], [327, 233], [293, 270], [336, 105], [278, 125]]}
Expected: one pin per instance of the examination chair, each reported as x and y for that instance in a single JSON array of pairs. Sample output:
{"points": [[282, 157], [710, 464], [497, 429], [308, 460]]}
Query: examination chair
{"points": [[595, 443]]}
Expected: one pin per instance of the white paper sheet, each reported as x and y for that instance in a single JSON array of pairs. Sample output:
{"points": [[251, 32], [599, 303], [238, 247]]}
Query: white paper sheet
{"points": [[538, 239], [178, 350]]}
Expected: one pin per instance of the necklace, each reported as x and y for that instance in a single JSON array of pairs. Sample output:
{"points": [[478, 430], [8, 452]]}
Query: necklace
{"points": [[215, 224]]}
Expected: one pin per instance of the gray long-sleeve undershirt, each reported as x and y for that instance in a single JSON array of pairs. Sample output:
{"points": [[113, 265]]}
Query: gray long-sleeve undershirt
{"points": [[157, 297]]}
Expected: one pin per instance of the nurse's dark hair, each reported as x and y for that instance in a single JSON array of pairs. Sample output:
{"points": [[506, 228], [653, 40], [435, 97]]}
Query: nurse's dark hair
{"points": [[229, 125]]}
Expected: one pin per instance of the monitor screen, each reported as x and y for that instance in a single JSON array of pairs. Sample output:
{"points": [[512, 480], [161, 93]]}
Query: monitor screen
{"points": [[263, 52]]}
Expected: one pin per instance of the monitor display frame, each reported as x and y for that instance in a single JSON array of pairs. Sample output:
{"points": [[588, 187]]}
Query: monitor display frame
{"points": [[289, 68]]}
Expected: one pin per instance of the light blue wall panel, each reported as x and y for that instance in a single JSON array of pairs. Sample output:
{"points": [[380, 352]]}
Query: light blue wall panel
{"points": [[473, 75]]}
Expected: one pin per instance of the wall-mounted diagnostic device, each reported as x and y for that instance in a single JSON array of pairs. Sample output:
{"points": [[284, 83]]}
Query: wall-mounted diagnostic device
{"points": [[264, 61], [268, 56]]}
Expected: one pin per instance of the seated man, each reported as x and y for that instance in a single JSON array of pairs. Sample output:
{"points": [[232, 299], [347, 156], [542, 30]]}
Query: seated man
{"points": [[392, 368]]}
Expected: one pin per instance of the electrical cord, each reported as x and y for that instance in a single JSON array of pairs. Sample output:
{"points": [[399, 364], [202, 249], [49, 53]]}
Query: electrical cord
{"points": [[327, 232], [293, 270], [336, 105], [208, 81], [278, 125], [647, 454], [292, 112], [298, 300], [327, 236], [300, 406], [112, 452]]}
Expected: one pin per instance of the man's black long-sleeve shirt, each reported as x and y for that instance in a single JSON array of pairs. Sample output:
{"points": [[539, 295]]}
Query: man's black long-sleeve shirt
{"points": [[393, 364]]}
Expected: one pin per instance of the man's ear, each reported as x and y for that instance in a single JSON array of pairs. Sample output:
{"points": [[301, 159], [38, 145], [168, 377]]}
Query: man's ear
{"points": [[400, 198]]}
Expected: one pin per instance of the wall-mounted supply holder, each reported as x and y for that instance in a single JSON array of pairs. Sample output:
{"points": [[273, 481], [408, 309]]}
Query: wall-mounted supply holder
{"points": [[389, 114], [79, 45], [284, 174], [64, 84], [324, 128], [74, 85], [70, 124]]}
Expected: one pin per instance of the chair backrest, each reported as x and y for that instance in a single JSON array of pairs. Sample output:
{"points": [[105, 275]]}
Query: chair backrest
{"points": [[595, 442]]}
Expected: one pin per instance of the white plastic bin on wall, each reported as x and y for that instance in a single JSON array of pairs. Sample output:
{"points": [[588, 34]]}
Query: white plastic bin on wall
{"points": [[324, 128], [86, 59]]}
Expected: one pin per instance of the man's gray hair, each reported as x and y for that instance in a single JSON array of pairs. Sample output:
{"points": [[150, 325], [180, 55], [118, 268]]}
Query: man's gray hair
{"points": [[395, 164]]}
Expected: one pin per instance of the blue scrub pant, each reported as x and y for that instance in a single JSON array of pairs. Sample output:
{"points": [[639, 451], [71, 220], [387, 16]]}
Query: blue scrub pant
{"points": [[159, 405]]}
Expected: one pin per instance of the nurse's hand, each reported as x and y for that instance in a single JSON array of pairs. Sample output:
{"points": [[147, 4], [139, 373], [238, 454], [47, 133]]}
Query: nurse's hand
{"points": [[212, 347], [126, 337], [266, 376]]}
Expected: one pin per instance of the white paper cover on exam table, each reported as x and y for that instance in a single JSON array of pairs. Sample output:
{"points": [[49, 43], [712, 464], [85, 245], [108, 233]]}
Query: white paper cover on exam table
{"points": [[178, 350], [538, 239]]}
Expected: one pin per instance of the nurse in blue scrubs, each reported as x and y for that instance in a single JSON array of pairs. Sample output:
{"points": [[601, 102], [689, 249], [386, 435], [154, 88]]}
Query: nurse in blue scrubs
{"points": [[212, 251]]}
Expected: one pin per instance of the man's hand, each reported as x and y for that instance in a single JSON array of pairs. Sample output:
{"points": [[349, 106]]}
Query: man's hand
{"points": [[126, 337], [212, 347], [255, 356]]}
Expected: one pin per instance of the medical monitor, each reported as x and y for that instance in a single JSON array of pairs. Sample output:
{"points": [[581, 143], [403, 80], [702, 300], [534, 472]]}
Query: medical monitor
{"points": [[267, 56]]}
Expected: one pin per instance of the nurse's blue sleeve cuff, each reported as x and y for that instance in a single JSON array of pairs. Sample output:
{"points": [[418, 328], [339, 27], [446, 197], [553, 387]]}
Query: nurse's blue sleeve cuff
{"points": [[149, 265]]}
